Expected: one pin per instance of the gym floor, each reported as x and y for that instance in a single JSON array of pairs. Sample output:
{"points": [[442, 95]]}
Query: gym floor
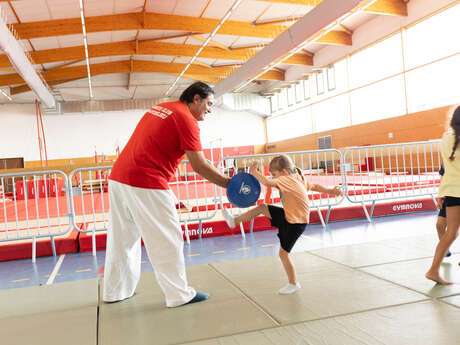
{"points": [[78, 266], [362, 283]]}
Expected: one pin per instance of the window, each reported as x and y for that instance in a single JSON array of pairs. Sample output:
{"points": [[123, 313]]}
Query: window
{"points": [[428, 40], [291, 95], [330, 78], [434, 85], [378, 101], [306, 88], [341, 76], [282, 99], [331, 114], [379, 61], [298, 92], [319, 82], [294, 124], [273, 103]]}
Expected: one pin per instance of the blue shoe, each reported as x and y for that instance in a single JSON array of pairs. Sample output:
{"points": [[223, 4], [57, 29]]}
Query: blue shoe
{"points": [[199, 297], [448, 254]]}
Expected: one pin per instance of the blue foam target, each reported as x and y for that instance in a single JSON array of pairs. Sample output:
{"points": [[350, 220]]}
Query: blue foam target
{"points": [[243, 190]]}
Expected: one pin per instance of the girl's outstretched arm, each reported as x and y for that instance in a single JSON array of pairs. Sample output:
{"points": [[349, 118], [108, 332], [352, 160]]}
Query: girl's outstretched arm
{"points": [[254, 170], [320, 188]]}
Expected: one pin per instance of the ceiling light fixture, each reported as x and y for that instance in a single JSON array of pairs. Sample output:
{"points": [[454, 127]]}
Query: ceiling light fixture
{"points": [[85, 41], [6, 95], [205, 43]]}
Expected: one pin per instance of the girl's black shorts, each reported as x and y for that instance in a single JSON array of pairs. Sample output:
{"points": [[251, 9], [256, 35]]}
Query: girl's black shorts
{"points": [[451, 201], [288, 233]]}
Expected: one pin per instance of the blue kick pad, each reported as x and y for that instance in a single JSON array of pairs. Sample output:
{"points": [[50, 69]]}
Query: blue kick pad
{"points": [[243, 190]]}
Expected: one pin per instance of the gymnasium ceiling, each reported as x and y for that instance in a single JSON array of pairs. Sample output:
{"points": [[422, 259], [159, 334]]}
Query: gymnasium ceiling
{"points": [[137, 48]]}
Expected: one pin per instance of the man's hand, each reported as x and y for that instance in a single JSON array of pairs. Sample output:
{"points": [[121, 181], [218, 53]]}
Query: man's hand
{"points": [[205, 169], [336, 191], [439, 203]]}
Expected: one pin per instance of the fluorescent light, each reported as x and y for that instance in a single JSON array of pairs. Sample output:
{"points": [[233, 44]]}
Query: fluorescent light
{"points": [[85, 41], [205, 43], [6, 95]]}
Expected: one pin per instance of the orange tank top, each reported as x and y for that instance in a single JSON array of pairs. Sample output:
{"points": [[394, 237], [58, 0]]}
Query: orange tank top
{"points": [[294, 195]]}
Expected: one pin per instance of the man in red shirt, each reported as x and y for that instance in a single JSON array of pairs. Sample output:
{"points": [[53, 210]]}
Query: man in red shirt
{"points": [[142, 205]]}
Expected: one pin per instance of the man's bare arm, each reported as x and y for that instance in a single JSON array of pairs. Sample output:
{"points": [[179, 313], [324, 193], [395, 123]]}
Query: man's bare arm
{"points": [[202, 167]]}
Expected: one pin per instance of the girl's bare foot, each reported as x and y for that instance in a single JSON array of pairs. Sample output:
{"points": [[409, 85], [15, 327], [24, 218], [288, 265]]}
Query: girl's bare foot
{"points": [[437, 278]]}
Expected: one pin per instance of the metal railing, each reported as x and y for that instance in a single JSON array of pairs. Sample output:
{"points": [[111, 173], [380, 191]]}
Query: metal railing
{"points": [[317, 166], [48, 204], [392, 171], [89, 200], [34, 205], [197, 199]]}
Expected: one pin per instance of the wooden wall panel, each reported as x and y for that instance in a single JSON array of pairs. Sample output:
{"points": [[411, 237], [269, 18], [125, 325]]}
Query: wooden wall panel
{"points": [[259, 149], [67, 169], [421, 126]]}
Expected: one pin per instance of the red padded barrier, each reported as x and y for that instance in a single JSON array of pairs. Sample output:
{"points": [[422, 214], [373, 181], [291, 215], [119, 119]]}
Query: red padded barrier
{"points": [[23, 249]]}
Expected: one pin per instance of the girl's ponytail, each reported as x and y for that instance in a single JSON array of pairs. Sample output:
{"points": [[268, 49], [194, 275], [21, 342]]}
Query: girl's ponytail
{"points": [[300, 173], [455, 124], [452, 155]]}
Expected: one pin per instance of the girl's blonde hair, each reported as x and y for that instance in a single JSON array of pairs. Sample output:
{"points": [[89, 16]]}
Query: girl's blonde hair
{"points": [[283, 162]]}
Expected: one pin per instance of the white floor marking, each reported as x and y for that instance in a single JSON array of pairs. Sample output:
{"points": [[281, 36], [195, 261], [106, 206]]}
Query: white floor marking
{"points": [[55, 270]]}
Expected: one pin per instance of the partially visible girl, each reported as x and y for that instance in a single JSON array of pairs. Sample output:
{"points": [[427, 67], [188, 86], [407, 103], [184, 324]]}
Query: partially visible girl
{"points": [[441, 222], [449, 194]]}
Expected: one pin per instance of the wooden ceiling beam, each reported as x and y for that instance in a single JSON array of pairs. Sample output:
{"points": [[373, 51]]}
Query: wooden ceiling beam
{"points": [[204, 78], [147, 48], [295, 2], [125, 67], [134, 21], [388, 7], [211, 42], [299, 59], [252, 46], [25, 88], [66, 64], [335, 37]]}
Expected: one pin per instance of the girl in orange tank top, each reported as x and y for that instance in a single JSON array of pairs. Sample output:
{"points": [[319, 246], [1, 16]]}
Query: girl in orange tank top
{"points": [[291, 219]]}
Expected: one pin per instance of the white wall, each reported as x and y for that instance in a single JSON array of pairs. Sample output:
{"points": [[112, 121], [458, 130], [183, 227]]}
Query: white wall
{"points": [[18, 131], [67, 136], [236, 128], [78, 135]]}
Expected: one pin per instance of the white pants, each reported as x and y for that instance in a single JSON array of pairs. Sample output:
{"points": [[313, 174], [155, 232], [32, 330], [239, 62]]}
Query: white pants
{"points": [[150, 214]]}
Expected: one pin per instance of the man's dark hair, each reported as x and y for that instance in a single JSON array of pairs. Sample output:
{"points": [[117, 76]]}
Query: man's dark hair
{"points": [[198, 88]]}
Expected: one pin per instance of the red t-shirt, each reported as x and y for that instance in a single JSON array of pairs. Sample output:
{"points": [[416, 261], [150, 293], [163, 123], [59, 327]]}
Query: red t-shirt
{"points": [[156, 147]]}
